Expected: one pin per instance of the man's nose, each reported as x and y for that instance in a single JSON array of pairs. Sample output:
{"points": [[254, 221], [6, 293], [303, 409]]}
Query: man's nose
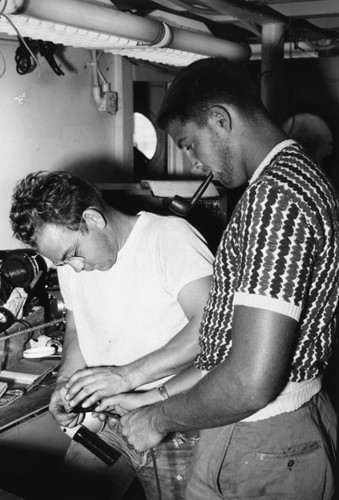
{"points": [[195, 163]]}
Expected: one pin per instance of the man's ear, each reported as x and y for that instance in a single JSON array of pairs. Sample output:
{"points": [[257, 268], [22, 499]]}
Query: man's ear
{"points": [[220, 117], [93, 216]]}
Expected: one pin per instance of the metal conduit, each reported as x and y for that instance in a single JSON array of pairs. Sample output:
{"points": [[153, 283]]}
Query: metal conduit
{"points": [[106, 19]]}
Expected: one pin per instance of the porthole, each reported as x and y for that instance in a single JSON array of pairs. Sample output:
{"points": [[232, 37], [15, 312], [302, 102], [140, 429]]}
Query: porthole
{"points": [[144, 136]]}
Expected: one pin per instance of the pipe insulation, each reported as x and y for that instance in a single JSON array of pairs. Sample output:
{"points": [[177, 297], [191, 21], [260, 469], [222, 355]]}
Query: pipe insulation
{"points": [[106, 19]]}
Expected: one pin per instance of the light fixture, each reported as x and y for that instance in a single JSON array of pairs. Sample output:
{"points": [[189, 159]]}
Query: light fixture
{"points": [[97, 26]]}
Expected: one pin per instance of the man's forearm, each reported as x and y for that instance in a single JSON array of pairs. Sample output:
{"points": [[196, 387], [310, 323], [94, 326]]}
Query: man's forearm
{"points": [[252, 376], [207, 404], [71, 362], [181, 350], [172, 358], [72, 358], [181, 382]]}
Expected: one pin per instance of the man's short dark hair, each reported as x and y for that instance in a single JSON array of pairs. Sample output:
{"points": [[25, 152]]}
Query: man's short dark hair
{"points": [[55, 197], [204, 83]]}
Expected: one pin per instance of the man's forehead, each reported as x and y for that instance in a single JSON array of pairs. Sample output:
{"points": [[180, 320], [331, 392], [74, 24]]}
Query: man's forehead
{"points": [[177, 125], [54, 241], [179, 130], [49, 231]]}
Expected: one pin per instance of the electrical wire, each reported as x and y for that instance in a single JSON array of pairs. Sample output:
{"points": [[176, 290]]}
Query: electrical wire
{"points": [[155, 467], [24, 62], [22, 97], [23, 322], [26, 324], [103, 79], [2, 56], [4, 7], [4, 63]]}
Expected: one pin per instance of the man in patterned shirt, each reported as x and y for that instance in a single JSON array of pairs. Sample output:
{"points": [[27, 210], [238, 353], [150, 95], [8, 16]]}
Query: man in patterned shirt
{"points": [[268, 331]]}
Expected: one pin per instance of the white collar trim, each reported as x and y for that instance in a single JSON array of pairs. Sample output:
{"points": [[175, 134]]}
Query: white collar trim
{"points": [[267, 160]]}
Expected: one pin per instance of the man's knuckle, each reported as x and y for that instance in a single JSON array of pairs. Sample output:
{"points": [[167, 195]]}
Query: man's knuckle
{"points": [[87, 390]]}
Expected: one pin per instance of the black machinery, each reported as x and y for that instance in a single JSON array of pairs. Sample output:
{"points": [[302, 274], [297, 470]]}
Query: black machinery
{"points": [[27, 270]]}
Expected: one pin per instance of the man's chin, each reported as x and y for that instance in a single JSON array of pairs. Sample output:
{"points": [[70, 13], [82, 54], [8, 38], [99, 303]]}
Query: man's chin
{"points": [[103, 267]]}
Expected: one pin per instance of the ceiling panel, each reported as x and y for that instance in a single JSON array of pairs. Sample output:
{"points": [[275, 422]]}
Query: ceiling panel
{"points": [[313, 24]]}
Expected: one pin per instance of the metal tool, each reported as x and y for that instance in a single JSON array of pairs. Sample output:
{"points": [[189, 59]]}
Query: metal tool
{"points": [[181, 206], [93, 443]]}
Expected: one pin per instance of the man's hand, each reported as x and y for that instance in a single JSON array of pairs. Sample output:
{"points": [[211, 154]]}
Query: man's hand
{"points": [[122, 403], [139, 427], [60, 409], [91, 385]]}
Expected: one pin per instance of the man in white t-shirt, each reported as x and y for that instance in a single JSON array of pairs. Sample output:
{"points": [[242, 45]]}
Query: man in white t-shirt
{"points": [[132, 319]]}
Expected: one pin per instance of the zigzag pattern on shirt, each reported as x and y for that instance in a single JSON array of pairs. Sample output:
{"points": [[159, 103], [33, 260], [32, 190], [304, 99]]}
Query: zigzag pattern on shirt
{"points": [[282, 242]]}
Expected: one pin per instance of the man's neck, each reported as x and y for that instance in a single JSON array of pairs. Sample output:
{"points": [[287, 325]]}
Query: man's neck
{"points": [[263, 144], [120, 225]]}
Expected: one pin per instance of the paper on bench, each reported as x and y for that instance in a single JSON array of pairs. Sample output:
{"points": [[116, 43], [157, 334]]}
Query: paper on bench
{"points": [[186, 189]]}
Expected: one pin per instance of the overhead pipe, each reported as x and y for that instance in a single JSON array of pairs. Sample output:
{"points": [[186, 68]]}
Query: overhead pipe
{"points": [[272, 58], [106, 19]]}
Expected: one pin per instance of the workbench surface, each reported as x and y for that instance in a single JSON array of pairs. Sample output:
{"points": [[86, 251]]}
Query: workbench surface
{"points": [[36, 397]]}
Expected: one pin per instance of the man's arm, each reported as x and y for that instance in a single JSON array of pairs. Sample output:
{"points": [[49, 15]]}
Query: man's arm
{"points": [[252, 376], [94, 384], [181, 350], [72, 360], [121, 403]]}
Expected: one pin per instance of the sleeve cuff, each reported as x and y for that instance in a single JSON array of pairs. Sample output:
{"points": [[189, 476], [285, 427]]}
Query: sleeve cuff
{"points": [[268, 303]]}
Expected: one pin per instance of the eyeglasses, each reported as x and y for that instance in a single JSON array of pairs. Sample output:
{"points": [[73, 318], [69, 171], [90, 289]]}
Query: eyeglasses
{"points": [[74, 259]]}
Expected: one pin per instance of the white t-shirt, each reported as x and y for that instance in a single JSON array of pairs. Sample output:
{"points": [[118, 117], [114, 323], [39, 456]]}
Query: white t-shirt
{"points": [[130, 310]]}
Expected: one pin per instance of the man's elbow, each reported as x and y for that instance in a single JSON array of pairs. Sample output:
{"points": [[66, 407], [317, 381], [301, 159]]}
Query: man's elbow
{"points": [[256, 402], [257, 396]]}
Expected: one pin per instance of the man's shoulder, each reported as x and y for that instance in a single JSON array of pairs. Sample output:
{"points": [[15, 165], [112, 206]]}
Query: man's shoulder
{"points": [[294, 174], [165, 221]]}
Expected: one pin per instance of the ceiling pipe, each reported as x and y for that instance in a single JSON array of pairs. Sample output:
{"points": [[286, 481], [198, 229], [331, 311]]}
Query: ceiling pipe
{"points": [[106, 19], [272, 68]]}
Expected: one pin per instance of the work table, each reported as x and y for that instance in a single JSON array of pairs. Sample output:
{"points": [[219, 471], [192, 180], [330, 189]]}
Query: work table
{"points": [[28, 404], [31, 442], [32, 378]]}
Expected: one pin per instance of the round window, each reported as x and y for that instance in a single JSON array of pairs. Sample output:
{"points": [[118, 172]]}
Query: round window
{"points": [[144, 136]]}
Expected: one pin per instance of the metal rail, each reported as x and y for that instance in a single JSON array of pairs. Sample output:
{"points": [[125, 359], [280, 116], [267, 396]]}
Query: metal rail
{"points": [[30, 330]]}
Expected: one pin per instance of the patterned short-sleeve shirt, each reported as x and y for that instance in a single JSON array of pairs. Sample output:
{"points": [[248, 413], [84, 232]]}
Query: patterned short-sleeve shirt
{"points": [[280, 252]]}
